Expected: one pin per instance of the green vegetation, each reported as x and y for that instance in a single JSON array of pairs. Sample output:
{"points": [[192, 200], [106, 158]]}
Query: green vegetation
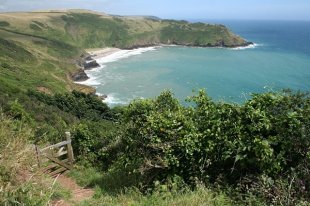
{"points": [[19, 181], [38, 50], [260, 147], [158, 152], [106, 185], [198, 34], [79, 104], [12, 51], [91, 30], [153, 151], [4, 23]]}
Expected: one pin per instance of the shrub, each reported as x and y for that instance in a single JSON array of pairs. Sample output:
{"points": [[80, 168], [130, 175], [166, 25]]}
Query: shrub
{"points": [[81, 105], [97, 142], [215, 141], [4, 24], [17, 111]]}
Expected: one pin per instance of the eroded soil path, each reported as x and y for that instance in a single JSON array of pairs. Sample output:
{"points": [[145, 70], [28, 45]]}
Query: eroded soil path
{"points": [[78, 193]]}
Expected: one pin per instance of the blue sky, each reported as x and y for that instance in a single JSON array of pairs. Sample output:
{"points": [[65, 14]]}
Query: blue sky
{"points": [[178, 9]]}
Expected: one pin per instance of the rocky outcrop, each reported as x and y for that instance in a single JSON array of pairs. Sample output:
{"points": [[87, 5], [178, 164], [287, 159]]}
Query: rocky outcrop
{"points": [[85, 62], [102, 97], [79, 76], [90, 64]]}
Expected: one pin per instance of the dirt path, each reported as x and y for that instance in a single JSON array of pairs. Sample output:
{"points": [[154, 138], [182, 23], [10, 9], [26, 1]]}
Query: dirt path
{"points": [[78, 193]]}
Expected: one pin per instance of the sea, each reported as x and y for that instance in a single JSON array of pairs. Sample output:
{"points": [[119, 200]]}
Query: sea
{"points": [[279, 59]]}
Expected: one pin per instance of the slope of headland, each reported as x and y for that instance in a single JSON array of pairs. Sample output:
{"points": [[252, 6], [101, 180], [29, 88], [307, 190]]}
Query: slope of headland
{"points": [[44, 46]]}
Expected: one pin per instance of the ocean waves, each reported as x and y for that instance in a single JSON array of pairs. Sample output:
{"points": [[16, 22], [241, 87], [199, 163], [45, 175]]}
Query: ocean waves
{"points": [[98, 77], [251, 46], [122, 54]]}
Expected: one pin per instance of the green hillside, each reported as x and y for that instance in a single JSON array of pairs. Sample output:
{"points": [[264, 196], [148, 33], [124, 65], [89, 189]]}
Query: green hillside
{"points": [[87, 30], [39, 49], [152, 151]]}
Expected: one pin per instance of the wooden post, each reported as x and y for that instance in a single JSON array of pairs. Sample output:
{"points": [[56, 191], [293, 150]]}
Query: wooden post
{"points": [[69, 148], [38, 155]]}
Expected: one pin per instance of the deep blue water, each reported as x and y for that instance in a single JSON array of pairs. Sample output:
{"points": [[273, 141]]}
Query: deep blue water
{"points": [[281, 36], [281, 60]]}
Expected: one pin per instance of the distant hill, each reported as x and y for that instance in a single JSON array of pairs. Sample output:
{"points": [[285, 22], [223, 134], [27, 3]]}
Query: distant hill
{"points": [[39, 49], [85, 28]]}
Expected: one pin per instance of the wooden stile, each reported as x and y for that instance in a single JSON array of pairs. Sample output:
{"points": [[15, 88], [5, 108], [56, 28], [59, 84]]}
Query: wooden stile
{"points": [[55, 156], [70, 149]]}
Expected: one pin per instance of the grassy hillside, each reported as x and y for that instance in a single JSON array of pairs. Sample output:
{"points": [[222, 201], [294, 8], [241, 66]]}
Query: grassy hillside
{"points": [[33, 62], [88, 29], [39, 49], [153, 151]]}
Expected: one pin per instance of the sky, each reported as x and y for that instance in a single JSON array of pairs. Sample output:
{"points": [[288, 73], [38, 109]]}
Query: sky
{"points": [[177, 9]]}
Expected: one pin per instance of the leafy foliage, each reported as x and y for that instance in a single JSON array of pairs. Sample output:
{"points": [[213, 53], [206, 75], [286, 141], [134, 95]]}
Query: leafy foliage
{"points": [[261, 148], [81, 105], [97, 142], [223, 142]]}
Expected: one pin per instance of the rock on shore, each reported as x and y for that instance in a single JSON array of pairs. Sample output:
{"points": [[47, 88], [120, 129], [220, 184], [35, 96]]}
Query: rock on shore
{"points": [[90, 65], [79, 76]]}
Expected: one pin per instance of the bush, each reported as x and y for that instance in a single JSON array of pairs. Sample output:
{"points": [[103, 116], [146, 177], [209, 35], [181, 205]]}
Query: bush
{"points": [[215, 141], [81, 105], [17, 111], [97, 142]]}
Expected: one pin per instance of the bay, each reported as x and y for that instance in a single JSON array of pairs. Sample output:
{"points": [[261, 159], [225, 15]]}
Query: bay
{"points": [[279, 60]]}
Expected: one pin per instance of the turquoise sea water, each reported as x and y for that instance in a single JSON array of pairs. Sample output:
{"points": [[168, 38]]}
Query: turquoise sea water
{"points": [[281, 59]]}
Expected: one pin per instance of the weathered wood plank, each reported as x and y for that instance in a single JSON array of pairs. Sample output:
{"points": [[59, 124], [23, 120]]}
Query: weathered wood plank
{"points": [[69, 148], [51, 166], [54, 153], [56, 145], [59, 162], [38, 155], [61, 152], [62, 169]]}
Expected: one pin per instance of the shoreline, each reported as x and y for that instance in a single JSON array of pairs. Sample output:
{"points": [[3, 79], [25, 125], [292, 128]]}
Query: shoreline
{"points": [[88, 61], [98, 53], [97, 57]]}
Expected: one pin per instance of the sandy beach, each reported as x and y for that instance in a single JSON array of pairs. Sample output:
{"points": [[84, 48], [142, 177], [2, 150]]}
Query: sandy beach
{"points": [[98, 53]]}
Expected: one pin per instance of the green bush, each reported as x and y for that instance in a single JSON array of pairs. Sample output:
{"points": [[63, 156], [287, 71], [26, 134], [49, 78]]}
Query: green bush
{"points": [[215, 141], [81, 105], [97, 142], [4, 24], [17, 111]]}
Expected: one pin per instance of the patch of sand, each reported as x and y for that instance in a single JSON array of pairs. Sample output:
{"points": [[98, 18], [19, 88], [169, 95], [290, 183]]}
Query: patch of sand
{"points": [[101, 52]]}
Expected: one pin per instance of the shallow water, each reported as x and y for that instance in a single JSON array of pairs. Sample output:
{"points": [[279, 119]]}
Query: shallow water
{"points": [[281, 59]]}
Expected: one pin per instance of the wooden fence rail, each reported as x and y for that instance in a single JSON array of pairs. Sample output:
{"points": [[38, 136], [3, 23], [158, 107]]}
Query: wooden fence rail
{"points": [[56, 158]]}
